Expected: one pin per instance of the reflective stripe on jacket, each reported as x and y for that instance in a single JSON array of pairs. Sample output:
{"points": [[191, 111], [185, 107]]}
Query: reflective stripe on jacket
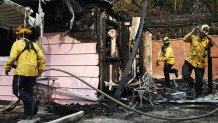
{"points": [[167, 55], [29, 63], [197, 51]]}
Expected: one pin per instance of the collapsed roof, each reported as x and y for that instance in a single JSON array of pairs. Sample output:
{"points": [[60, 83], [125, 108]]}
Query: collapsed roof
{"points": [[12, 14]]}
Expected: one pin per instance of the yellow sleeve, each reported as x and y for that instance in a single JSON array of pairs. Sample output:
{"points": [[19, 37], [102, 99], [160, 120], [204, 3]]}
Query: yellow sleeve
{"points": [[187, 38], [167, 55], [41, 59], [13, 55]]}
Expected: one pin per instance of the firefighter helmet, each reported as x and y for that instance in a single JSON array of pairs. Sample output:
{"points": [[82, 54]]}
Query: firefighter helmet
{"points": [[205, 28], [18, 29], [24, 31], [166, 40]]}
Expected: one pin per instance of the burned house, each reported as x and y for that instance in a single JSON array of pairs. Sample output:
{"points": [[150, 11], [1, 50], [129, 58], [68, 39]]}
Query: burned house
{"points": [[87, 43], [88, 39], [74, 38]]}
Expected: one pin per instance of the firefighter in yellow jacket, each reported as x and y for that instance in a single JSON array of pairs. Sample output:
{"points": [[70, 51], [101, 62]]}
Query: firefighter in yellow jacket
{"points": [[169, 60], [30, 63], [195, 59]]}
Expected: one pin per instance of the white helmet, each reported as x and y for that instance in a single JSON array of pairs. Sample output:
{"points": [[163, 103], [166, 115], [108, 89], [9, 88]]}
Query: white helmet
{"points": [[205, 28], [166, 40]]}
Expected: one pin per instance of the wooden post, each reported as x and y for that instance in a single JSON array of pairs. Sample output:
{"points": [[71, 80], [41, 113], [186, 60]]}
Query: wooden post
{"points": [[147, 55], [101, 38], [133, 30], [210, 72], [124, 79], [113, 34]]}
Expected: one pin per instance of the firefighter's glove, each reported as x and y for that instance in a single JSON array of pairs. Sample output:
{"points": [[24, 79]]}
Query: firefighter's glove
{"points": [[7, 72], [14, 66]]}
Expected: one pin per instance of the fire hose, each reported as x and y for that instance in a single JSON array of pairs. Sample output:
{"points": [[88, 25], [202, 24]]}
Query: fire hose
{"points": [[129, 108], [11, 106]]}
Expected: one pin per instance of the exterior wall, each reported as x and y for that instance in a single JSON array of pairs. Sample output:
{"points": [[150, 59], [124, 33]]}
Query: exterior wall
{"points": [[5, 83], [68, 54], [180, 49], [78, 58]]}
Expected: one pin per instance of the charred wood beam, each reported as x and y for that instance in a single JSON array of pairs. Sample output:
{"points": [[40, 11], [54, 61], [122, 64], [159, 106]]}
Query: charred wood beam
{"points": [[210, 71], [119, 16], [113, 23], [123, 45], [124, 78], [70, 7], [111, 59], [101, 48], [110, 1]]}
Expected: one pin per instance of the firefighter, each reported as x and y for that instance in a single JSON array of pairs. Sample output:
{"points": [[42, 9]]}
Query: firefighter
{"points": [[195, 58], [30, 63], [169, 60]]}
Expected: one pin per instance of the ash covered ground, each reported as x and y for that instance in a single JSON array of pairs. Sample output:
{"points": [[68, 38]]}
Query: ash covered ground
{"points": [[107, 112], [103, 113]]}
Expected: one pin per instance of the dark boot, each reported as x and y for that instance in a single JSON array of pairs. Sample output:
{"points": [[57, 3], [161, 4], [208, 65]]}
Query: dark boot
{"points": [[168, 85], [191, 92], [34, 106], [198, 93], [26, 117]]}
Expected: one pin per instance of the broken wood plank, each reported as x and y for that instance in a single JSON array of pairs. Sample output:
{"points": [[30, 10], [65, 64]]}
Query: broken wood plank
{"points": [[69, 118]]}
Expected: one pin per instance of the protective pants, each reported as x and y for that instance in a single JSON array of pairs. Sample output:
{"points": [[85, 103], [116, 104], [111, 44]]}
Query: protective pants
{"points": [[167, 70], [23, 89], [199, 75]]}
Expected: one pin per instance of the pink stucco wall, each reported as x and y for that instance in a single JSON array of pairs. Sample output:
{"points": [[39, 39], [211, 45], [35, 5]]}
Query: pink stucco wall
{"points": [[180, 50], [66, 53]]}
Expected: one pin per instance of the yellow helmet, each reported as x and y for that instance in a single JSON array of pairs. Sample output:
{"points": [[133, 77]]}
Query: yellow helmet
{"points": [[205, 28], [24, 30], [18, 29], [166, 40]]}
